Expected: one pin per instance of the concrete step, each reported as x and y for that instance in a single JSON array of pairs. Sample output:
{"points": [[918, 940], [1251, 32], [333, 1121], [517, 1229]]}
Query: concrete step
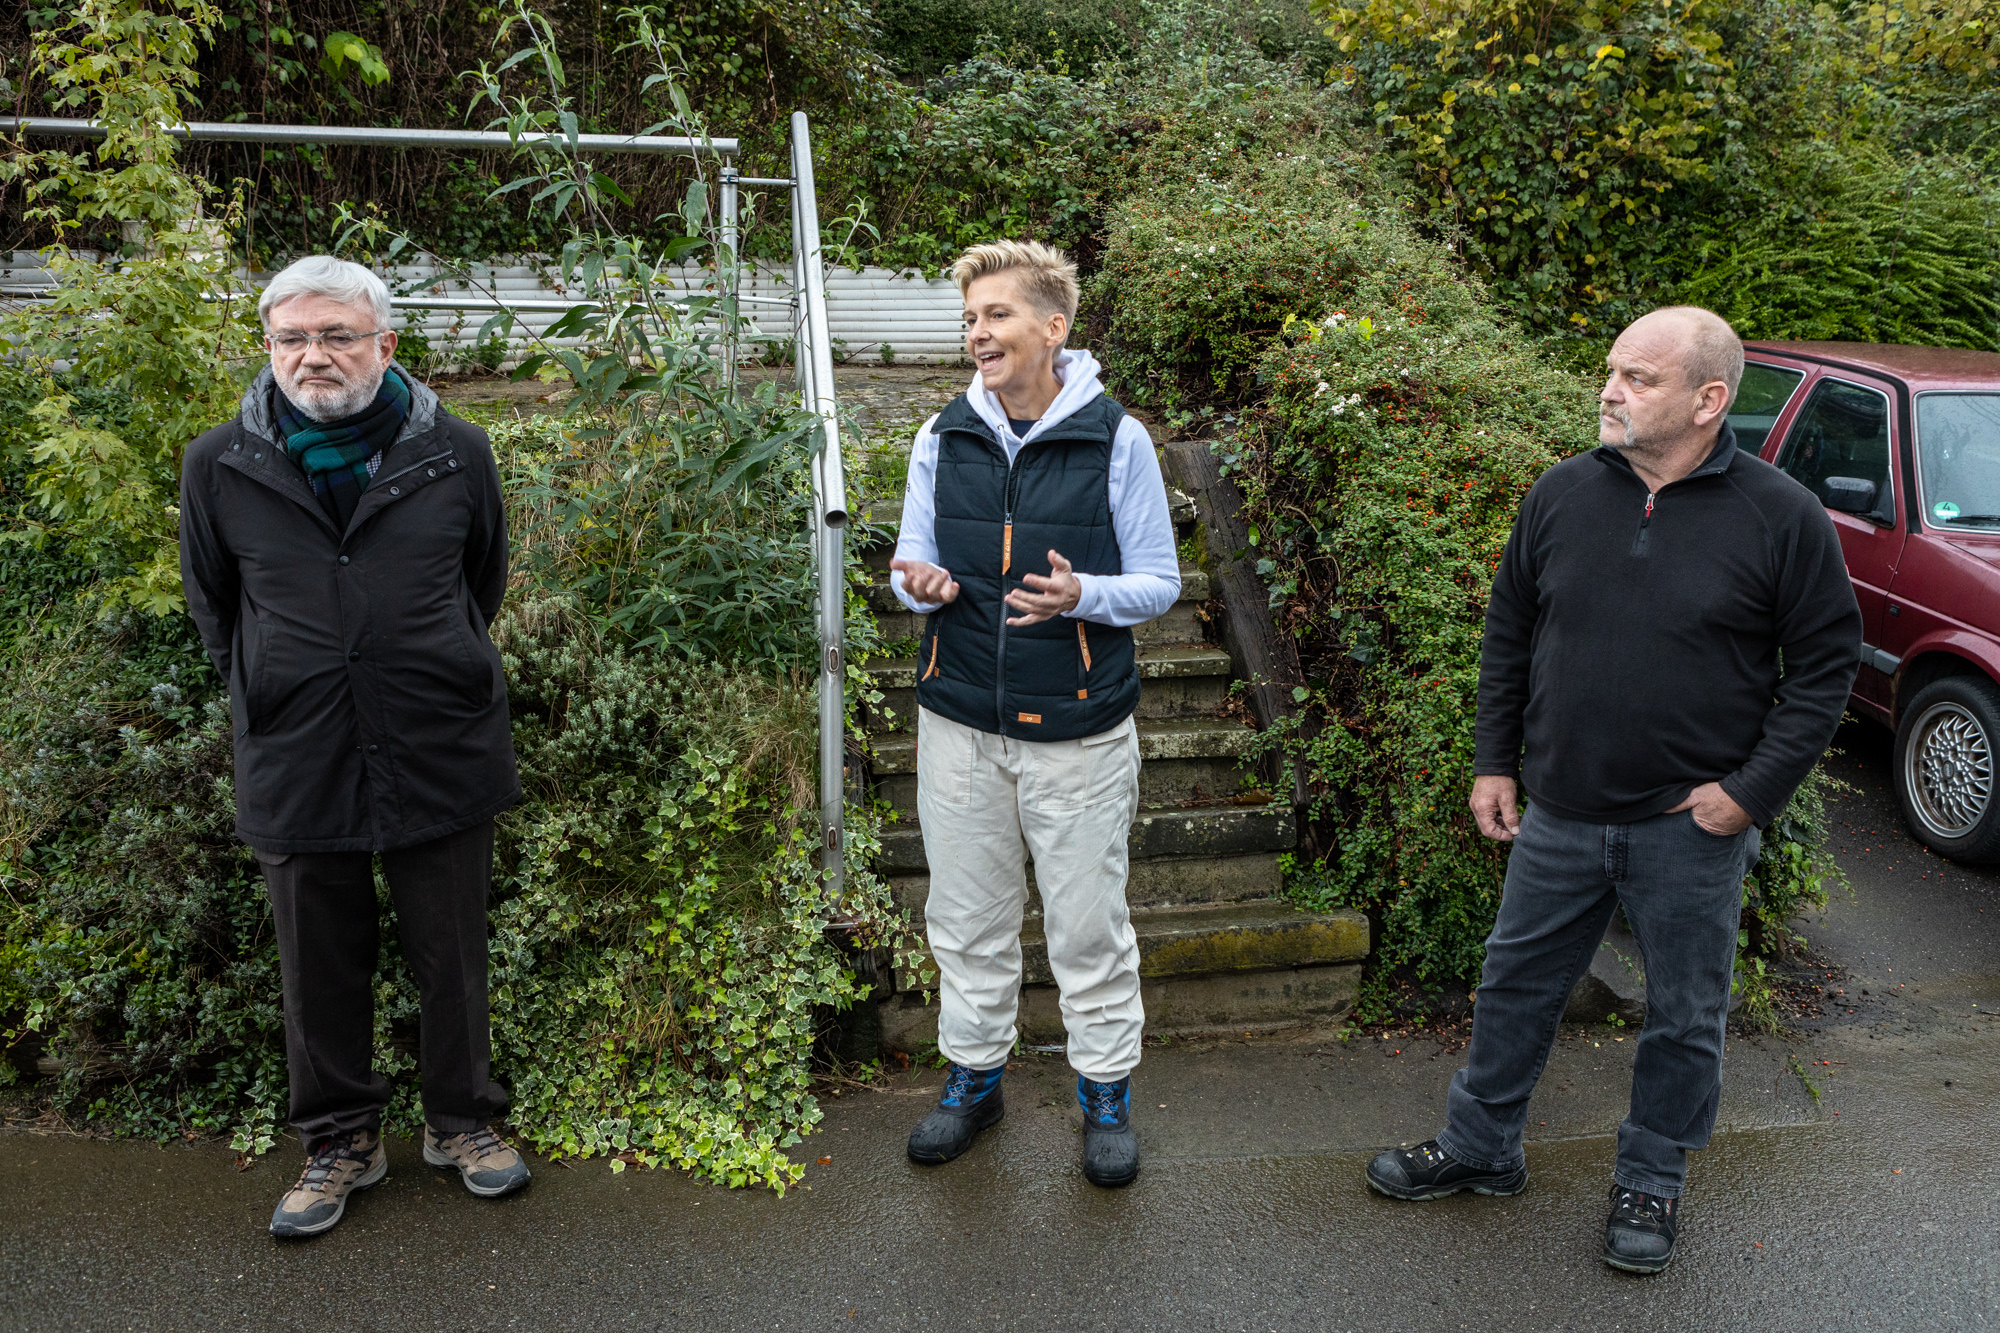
{"points": [[1183, 681], [1167, 881], [1224, 1002], [1231, 937], [1218, 831], [1169, 738], [1189, 761]]}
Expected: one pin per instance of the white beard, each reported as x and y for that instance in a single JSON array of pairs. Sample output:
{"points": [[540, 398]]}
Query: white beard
{"points": [[331, 402]]}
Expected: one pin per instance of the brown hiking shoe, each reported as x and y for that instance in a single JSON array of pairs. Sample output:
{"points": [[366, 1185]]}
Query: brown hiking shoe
{"points": [[482, 1159], [338, 1167]]}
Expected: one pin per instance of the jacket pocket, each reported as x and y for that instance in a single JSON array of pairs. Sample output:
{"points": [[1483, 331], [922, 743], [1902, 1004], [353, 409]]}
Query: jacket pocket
{"points": [[477, 678], [256, 689], [1083, 661]]}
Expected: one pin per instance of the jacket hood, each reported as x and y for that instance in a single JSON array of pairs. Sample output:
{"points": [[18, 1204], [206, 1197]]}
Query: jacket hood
{"points": [[255, 408], [1077, 372]]}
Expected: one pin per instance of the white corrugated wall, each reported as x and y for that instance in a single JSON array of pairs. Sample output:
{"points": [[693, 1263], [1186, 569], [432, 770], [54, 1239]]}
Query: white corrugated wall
{"points": [[872, 313]]}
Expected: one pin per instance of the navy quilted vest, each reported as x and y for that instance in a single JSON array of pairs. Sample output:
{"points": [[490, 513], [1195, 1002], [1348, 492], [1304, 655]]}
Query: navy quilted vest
{"points": [[1062, 678]]}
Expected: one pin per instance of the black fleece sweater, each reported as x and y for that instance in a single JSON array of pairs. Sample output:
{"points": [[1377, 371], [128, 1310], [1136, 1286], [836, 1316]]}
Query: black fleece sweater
{"points": [[1638, 646]]}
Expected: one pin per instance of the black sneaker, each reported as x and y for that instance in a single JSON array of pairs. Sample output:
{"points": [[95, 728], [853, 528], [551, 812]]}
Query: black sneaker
{"points": [[1428, 1172], [970, 1103], [1110, 1148], [1639, 1238]]}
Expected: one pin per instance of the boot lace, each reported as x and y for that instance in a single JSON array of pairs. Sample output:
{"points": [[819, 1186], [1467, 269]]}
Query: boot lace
{"points": [[1428, 1155], [1104, 1101], [959, 1086], [481, 1143], [1647, 1211], [325, 1161]]}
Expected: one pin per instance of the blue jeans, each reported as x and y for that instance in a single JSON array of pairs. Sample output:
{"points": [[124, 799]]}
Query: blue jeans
{"points": [[1682, 889]]}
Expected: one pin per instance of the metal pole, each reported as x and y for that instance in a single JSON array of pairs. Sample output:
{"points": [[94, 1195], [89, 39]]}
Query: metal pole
{"points": [[371, 136], [732, 281], [815, 352]]}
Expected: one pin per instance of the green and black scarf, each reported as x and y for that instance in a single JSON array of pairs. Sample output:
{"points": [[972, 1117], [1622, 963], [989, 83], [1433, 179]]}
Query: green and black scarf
{"points": [[341, 457]]}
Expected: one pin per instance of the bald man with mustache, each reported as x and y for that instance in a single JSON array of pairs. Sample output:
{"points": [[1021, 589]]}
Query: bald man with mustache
{"points": [[1670, 643]]}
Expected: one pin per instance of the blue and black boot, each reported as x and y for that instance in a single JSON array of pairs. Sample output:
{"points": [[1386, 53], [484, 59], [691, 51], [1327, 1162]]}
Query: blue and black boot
{"points": [[1110, 1148], [970, 1103]]}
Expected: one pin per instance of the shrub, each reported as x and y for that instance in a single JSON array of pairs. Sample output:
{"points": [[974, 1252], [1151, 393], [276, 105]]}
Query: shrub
{"points": [[1384, 423], [1862, 244], [661, 962], [1259, 205]]}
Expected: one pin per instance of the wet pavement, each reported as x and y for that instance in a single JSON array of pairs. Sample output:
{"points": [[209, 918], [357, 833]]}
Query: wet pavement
{"points": [[1872, 1207]]}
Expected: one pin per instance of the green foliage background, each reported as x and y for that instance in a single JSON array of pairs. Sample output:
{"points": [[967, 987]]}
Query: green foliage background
{"points": [[1384, 418], [660, 960], [1358, 246], [1811, 170]]}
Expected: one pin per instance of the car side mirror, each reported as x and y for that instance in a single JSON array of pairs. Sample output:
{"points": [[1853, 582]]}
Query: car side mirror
{"points": [[1850, 495]]}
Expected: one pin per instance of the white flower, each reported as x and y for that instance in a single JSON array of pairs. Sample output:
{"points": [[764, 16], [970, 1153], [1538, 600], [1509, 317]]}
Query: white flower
{"points": [[1323, 386], [1338, 409]]}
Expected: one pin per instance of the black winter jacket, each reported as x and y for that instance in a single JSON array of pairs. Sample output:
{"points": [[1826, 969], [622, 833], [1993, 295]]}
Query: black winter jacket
{"points": [[368, 703], [1633, 642]]}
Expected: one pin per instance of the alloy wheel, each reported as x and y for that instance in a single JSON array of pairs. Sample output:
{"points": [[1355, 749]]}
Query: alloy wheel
{"points": [[1948, 769]]}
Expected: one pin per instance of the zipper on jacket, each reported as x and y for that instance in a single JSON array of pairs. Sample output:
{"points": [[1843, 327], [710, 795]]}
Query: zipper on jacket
{"points": [[1006, 563], [1645, 522], [1000, 639], [1083, 646]]}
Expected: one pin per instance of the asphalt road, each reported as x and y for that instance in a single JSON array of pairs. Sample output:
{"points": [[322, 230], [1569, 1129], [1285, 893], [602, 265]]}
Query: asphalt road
{"points": [[1870, 1207]]}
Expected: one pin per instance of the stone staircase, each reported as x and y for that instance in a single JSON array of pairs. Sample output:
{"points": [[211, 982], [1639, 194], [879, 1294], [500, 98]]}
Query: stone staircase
{"points": [[1219, 950]]}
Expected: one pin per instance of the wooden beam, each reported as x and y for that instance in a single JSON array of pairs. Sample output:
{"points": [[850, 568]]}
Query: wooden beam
{"points": [[1258, 654]]}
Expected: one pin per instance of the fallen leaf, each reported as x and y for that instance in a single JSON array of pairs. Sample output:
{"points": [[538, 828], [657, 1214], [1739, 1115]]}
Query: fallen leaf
{"points": [[826, 1161]]}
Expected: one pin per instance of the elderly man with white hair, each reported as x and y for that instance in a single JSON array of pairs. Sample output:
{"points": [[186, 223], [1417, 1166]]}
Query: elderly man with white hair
{"points": [[344, 548]]}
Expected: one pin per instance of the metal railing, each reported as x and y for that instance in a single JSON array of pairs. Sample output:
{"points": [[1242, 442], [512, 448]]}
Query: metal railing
{"points": [[813, 354], [374, 136]]}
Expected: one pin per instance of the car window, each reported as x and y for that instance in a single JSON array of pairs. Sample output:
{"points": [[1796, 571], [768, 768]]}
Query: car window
{"points": [[1843, 431], [1958, 442], [1759, 399]]}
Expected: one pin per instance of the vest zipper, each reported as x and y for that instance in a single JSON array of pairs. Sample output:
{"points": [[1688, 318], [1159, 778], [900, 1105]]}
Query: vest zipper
{"points": [[1645, 522], [1083, 646], [1000, 639]]}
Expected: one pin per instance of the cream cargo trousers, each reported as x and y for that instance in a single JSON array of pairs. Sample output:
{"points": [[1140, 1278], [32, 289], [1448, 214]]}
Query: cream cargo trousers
{"points": [[986, 802]]}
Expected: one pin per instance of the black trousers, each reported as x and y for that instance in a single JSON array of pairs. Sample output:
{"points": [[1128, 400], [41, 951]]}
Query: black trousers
{"points": [[323, 904]]}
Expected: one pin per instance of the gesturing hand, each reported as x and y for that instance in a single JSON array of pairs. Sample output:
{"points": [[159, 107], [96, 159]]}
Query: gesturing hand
{"points": [[1053, 596], [1496, 806], [926, 582]]}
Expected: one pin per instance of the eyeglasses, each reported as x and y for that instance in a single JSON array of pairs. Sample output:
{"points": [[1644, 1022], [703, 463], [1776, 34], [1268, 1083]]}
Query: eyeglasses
{"points": [[290, 343]]}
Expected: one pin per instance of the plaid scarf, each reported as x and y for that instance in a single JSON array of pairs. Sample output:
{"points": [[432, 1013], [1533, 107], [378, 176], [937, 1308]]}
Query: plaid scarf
{"points": [[341, 457]]}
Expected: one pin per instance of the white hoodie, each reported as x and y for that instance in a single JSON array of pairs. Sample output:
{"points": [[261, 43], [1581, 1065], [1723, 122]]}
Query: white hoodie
{"points": [[1151, 580]]}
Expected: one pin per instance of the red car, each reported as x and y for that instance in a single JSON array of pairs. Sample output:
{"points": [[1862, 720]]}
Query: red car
{"points": [[1902, 445]]}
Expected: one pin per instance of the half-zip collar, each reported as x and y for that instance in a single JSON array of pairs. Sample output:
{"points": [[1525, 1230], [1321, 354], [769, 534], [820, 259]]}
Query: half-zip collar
{"points": [[1717, 463]]}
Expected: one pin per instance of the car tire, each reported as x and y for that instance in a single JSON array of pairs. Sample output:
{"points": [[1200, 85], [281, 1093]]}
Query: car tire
{"points": [[1947, 768]]}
